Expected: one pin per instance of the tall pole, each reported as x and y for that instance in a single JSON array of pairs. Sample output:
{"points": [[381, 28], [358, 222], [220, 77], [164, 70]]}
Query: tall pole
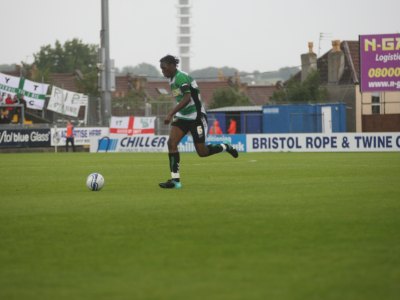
{"points": [[184, 33], [105, 81]]}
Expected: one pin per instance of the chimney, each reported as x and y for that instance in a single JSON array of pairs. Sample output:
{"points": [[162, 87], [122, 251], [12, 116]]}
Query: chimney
{"points": [[335, 63], [308, 62]]}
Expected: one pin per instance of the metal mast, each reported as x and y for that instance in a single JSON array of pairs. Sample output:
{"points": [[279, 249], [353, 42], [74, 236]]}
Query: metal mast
{"points": [[184, 33], [106, 66]]}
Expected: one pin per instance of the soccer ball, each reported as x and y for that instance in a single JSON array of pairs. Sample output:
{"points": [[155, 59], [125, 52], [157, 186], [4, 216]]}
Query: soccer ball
{"points": [[95, 182]]}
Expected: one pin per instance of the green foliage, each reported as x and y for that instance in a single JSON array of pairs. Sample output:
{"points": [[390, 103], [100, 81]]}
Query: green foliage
{"points": [[256, 77], [7, 68], [132, 104], [308, 91], [228, 97], [72, 57], [283, 74], [142, 69], [213, 73]]}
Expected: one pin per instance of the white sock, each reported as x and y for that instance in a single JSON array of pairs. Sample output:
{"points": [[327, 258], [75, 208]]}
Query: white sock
{"points": [[175, 175]]}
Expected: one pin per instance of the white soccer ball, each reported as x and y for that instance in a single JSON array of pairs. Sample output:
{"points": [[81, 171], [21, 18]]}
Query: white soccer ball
{"points": [[95, 182]]}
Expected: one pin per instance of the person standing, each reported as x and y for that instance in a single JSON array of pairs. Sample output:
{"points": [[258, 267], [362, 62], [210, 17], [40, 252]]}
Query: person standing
{"points": [[9, 109], [215, 128], [70, 137], [188, 115], [232, 126]]}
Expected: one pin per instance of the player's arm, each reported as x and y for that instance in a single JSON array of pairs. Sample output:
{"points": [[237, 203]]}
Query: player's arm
{"points": [[185, 101]]}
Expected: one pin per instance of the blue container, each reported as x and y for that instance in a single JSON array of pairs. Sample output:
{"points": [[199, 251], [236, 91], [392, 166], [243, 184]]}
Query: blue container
{"points": [[247, 121], [304, 118]]}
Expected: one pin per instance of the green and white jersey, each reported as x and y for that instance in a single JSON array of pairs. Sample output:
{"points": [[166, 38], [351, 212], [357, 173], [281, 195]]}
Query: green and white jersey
{"points": [[182, 84]]}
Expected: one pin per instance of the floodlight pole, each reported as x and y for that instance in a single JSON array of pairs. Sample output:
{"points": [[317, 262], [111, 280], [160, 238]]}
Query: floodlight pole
{"points": [[106, 73]]}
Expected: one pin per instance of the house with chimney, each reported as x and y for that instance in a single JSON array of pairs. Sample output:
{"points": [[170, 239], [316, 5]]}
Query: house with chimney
{"points": [[339, 71]]}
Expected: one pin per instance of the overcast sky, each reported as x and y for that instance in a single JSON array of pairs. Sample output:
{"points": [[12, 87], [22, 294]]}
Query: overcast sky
{"points": [[249, 35]]}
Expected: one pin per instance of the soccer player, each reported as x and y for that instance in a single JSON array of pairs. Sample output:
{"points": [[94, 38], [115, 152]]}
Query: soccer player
{"points": [[188, 115]]}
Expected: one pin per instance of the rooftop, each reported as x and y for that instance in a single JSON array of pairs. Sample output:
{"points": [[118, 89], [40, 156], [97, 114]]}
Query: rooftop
{"points": [[236, 108]]}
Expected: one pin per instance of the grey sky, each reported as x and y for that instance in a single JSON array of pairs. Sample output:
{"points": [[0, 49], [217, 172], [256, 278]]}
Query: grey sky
{"points": [[246, 34]]}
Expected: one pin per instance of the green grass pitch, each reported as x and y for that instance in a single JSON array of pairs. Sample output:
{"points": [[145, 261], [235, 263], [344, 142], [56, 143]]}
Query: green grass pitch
{"points": [[264, 226]]}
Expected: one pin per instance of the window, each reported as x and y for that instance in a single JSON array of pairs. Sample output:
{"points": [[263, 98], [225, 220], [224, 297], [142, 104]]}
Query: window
{"points": [[184, 40], [376, 104], [184, 49], [185, 10], [185, 30]]}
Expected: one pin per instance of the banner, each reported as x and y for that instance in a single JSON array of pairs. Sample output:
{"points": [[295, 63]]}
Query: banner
{"points": [[238, 141], [16, 138], [66, 102], [34, 92], [153, 143], [313, 142], [380, 62], [9, 85], [83, 135], [339, 142], [128, 143], [132, 125]]}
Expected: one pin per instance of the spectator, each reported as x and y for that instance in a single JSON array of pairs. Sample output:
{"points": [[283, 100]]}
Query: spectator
{"points": [[7, 101], [3, 111], [14, 110], [232, 126], [70, 136], [215, 128], [7, 114], [22, 112]]}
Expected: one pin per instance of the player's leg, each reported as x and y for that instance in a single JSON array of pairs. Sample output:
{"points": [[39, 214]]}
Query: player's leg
{"points": [[175, 136], [204, 150], [199, 130]]}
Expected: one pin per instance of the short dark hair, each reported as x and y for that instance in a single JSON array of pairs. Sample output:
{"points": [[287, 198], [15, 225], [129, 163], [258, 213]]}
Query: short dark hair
{"points": [[170, 59]]}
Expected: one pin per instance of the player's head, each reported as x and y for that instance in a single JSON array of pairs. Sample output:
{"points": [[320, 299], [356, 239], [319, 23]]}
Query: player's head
{"points": [[168, 65]]}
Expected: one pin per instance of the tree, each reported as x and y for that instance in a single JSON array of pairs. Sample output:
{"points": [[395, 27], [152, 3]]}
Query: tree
{"points": [[72, 57], [132, 104], [7, 68], [142, 69], [228, 97], [213, 73], [309, 90]]}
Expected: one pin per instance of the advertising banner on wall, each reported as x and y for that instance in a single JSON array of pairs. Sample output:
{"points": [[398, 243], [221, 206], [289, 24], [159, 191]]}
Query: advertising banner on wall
{"points": [[153, 143], [339, 142], [238, 141], [132, 125], [335, 142], [16, 138], [128, 143], [380, 62], [82, 135]]}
